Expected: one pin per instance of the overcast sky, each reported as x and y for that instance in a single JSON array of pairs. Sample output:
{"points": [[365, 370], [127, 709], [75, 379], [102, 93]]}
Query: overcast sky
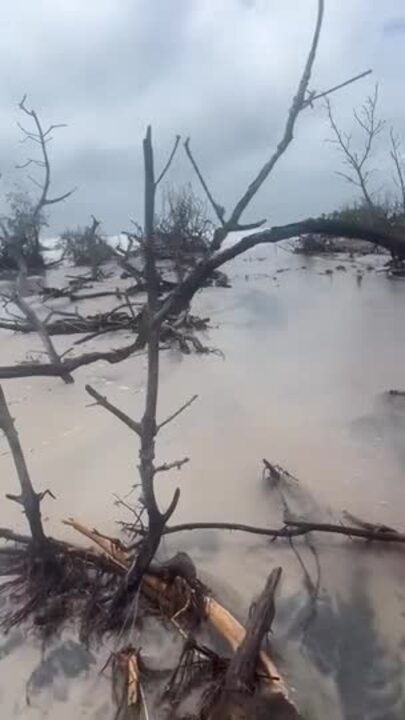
{"points": [[221, 71]]}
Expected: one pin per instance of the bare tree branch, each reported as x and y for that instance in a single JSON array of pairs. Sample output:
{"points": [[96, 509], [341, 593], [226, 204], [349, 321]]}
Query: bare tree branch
{"points": [[371, 128], [128, 421], [182, 294], [53, 201], [40, 137], [316, 96], [297, 105], [218, 209], [29, 498], [177, 413], [295, 528], [399, 165], [40, 328], [69, 365], [169, 162], [176, 464]]}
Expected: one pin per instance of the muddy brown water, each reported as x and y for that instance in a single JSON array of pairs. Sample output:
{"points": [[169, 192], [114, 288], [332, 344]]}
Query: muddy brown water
{"points": [[307, 358]]}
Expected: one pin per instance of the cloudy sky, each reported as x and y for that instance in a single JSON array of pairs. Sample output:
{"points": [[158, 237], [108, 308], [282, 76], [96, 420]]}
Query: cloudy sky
{"points": [[221, 71]]}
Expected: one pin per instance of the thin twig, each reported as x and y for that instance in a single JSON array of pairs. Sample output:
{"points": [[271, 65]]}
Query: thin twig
{"points": [[177, 413], [296, 107], [294, 528], [218, 209], [178, 464], [128, 421], [29, 499], [40, 328], [169, 162], [333, 89], [399, 167]]}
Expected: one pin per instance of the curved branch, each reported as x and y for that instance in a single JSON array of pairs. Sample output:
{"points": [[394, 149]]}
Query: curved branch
{"points": [[184, 292], [295, 528], [297, 105], [69, 365], [169, 162]]}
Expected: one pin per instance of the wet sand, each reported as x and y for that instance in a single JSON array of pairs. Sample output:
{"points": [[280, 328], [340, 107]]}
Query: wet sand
{"points": [[308, 357]]}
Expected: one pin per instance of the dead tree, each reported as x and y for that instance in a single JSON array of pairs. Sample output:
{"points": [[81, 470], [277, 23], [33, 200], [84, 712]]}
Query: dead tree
{"points": [[85, 246], [357, 161], [23, 227]]}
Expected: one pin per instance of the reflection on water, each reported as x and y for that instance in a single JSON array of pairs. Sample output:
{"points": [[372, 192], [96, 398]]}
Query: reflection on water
{"points": [[309, 357], [345, 644]]}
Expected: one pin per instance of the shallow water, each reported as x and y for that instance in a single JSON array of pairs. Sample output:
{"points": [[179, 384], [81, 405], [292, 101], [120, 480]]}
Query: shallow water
{"points": [[308, 357]]}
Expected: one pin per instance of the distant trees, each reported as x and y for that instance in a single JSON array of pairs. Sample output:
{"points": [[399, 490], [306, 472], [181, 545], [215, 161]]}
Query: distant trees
{"points": [[21, 227], [376, 207]]}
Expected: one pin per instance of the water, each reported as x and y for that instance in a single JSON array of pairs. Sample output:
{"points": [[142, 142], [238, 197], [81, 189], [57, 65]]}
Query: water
{"points": [[308, 356]]}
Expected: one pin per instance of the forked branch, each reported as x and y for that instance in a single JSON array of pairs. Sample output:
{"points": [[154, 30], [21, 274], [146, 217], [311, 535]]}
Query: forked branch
{"points": [[357, 161], [103, 402], [29, 499]]}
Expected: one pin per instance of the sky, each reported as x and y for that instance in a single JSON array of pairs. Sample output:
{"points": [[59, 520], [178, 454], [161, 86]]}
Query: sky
{"points": [[220, 71]]}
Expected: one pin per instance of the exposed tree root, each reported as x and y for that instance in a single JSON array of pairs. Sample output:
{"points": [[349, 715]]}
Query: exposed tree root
{"points": [[82, 582]]}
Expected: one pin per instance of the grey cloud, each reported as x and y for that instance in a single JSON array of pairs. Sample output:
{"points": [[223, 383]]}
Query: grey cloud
{"points": [[394, 26], [223, 72]]}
